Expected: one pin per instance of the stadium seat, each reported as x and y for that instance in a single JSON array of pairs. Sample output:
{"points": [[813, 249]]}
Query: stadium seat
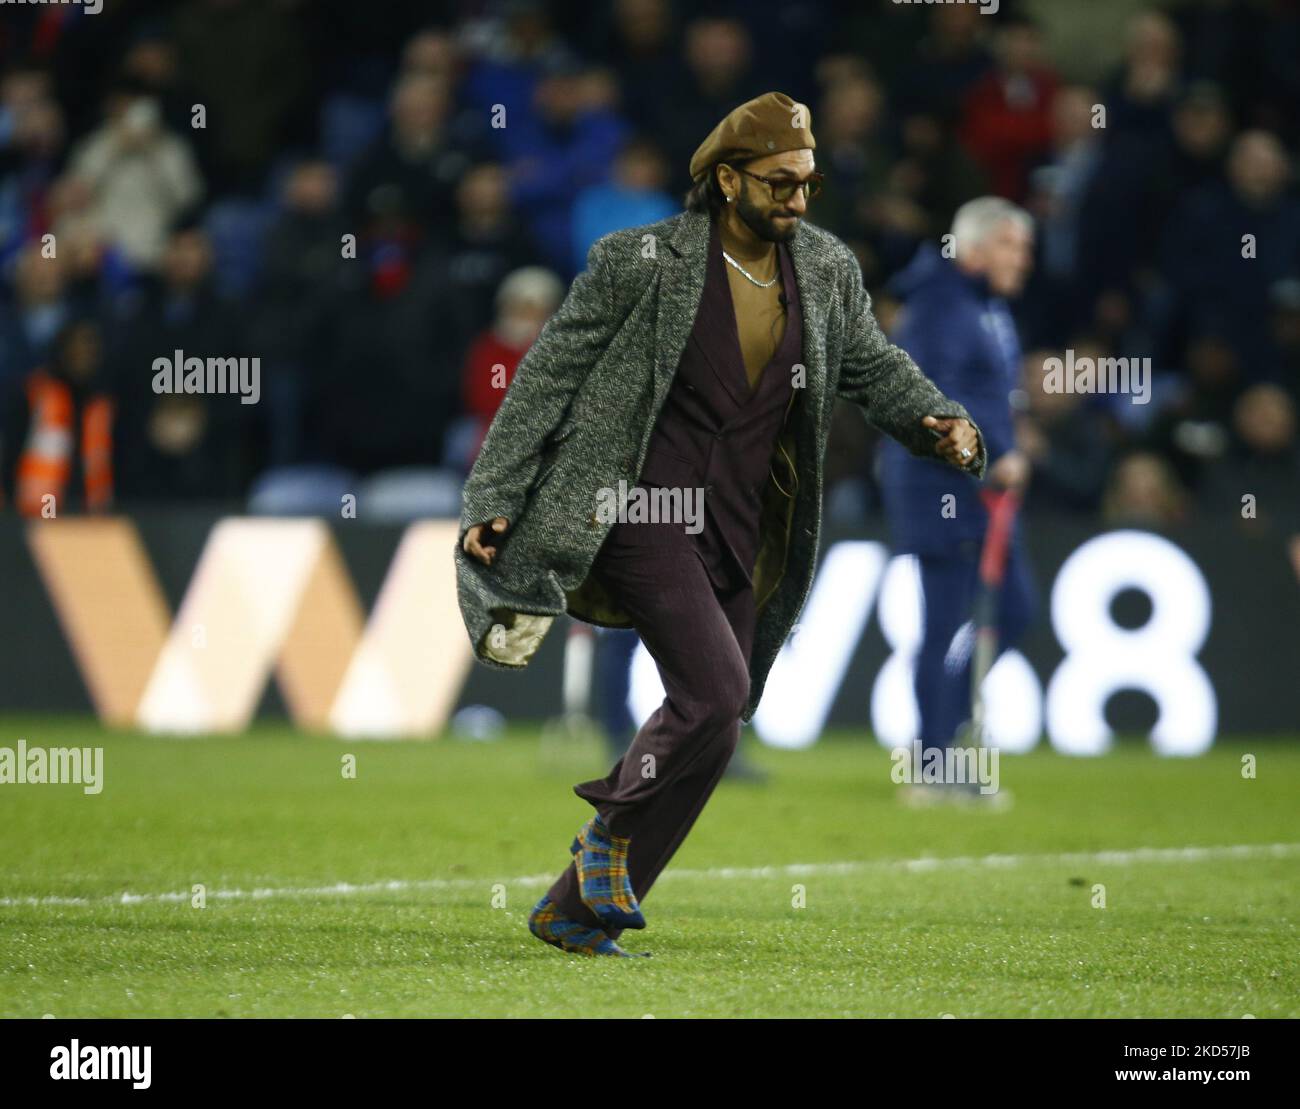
{"points": [[301, 491], [401, 495], [348, 125], [237, 228], [461, 442]]}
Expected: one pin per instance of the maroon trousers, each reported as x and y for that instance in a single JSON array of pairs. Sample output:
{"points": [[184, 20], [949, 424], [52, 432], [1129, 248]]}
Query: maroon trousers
{"points": [[700, 636]]}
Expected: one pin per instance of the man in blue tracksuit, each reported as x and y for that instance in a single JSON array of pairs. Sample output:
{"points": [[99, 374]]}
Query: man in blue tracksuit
{"points": [[956, 324]]}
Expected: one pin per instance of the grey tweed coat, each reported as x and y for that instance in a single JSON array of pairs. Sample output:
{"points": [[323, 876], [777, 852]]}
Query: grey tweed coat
{"points": [[580, 409]]}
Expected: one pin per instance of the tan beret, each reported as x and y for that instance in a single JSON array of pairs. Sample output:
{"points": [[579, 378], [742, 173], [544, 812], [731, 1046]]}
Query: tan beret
{"points": [[768, 124]]}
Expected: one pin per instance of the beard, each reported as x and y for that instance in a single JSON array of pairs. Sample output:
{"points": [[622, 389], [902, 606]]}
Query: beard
{"points": [[761, 223]]}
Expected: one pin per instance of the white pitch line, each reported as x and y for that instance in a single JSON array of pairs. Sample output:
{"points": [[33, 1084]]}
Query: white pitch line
{"points": [[793, 870]]}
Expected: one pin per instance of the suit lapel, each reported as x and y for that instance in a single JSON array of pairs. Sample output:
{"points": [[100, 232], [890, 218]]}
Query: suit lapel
{"points": [[720, 340], [683, 266], [815, 276]]}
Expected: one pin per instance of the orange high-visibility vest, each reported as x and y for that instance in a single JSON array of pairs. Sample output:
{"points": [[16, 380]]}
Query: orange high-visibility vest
{"points": [[46, 462]]}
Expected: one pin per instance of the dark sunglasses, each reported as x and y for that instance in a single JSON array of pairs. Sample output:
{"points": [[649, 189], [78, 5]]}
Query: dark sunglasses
{"points": [[783, 189]]}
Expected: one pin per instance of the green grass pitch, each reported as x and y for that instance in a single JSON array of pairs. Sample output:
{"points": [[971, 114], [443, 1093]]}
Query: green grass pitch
{"points": [[404, 891]]}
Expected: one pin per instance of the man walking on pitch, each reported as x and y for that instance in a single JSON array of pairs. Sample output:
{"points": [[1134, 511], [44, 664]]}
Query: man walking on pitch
{"points": [[696, 359], [955, 321]]}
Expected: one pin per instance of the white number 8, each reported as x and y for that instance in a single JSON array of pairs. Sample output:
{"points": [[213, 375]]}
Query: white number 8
{"points": [[1157, 658]]}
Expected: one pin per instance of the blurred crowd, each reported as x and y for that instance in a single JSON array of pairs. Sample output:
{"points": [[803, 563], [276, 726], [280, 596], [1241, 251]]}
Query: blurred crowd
{"points": [[384, 204]]}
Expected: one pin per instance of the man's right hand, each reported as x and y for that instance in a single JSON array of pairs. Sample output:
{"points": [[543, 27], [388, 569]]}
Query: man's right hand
{"points": [[484, 552]]}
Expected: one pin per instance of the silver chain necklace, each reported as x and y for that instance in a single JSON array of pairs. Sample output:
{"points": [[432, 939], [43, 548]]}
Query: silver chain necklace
{"points": [[760, 284]]}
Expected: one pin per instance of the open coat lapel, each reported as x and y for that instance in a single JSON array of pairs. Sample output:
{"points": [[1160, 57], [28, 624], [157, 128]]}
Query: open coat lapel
{"points": [[682, 269]]}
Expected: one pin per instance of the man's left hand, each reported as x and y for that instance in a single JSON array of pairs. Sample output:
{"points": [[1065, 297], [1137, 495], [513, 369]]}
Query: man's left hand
{"points": [[959, 444]]}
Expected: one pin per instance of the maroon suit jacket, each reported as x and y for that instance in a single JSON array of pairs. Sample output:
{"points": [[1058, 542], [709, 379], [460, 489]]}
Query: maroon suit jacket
{"points": [[717, 433]]}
